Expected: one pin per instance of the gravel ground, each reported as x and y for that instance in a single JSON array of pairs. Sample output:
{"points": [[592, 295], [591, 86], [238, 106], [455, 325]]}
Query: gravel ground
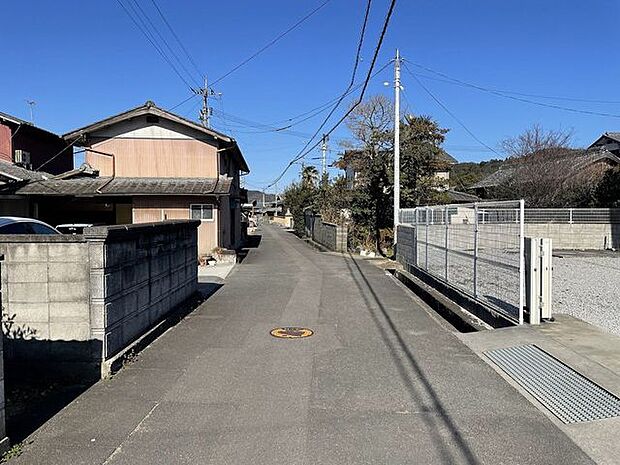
{"points": [[585, 285]]}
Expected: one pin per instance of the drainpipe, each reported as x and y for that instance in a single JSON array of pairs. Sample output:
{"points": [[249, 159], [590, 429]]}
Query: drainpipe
{"points": [[111, 155]]}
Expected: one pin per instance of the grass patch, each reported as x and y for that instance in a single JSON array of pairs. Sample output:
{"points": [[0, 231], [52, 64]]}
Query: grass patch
{"points": [[15, 451]]}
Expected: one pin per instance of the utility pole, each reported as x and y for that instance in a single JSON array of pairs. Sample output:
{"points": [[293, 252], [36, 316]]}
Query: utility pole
{"points": [[205, 111], [324, 155], [396, 143], [276, 199], [31, 103]]}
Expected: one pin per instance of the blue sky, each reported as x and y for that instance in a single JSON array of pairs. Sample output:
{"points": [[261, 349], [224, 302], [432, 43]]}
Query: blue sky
{"points": [[82, 61]]}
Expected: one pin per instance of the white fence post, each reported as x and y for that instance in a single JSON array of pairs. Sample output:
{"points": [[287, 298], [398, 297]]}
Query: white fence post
{"points": [[475, 249], [446, 244], [426, 240], [521, 258]]}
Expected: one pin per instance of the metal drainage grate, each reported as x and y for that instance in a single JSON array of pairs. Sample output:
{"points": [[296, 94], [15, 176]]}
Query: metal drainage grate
{"points": [[568, 395], [291, 332]]}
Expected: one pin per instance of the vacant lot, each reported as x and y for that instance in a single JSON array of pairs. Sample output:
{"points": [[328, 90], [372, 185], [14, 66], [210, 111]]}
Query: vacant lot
{"points": [[586, 284]]}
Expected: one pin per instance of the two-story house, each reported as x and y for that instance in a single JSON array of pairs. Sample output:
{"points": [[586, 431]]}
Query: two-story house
{"points": [[29, 146], [145, 165], [24, 148]]}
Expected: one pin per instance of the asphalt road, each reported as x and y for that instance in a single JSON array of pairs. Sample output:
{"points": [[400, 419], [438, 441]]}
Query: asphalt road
{"points": [[380, 382]]}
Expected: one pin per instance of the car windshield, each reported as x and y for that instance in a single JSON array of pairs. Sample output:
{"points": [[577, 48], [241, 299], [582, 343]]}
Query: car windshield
{"points": [[26, 227]]}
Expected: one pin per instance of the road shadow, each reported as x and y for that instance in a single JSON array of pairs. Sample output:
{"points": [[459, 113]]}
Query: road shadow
{"points": [[36, 390], [207, 289], [412, 375], [251, 242], [42, 376]]}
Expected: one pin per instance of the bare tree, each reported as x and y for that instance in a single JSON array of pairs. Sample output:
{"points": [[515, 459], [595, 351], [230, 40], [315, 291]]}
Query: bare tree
{"points": [[535, 139], [371, 121], [546, 171]]}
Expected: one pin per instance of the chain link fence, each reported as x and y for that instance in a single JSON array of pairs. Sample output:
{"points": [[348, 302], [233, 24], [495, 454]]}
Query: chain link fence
{"points": [[477, 248]]}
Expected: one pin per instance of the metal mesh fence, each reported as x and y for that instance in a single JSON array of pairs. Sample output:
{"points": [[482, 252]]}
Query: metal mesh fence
{"points": [[572, 215], [477, 248]]}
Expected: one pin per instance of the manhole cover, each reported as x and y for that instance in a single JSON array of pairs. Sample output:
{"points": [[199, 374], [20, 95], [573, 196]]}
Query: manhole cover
{"points": [[291, 332]]}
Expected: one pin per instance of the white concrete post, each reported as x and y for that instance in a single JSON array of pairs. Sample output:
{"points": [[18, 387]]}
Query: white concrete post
{"points": [[475, 283]]}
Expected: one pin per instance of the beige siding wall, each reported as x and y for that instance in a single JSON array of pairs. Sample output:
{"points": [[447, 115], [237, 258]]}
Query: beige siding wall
{"points": [[148, 209], [164, 158]]}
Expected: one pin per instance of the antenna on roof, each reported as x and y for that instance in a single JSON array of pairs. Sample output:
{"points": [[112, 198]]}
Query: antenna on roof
{"points": [[32, 103]]}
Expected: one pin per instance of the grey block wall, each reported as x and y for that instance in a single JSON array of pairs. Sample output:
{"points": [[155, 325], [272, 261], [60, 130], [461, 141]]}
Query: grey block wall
{"points": [[586, 236], [80, 300], [138, 273], [45, 291], [329, 235], [406, 249], [4, 440]]}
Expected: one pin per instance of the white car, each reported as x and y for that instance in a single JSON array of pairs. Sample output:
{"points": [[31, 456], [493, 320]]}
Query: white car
{"points": [[17, 225], [73, 228]]}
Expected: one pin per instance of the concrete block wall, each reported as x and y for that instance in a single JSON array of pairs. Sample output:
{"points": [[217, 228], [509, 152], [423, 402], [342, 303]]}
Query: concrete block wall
{"points": [[406, 246], [80, 300], [138, 273], [588, 236], [45, 291], [4, 440], [329, 235]]}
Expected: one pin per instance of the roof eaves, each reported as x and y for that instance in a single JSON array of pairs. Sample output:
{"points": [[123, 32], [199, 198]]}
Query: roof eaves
{"points": [[148, 108]]}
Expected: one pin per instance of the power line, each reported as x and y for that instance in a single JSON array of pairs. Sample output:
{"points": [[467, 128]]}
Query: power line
{"points": [[447, 110], [57, 155], [504, 91], [182, 102], [504, 94], [176, 37], [352, 81], [261, 127], [164, 41], [317, 110], [152, 42], [272, 42], [359, 99]]}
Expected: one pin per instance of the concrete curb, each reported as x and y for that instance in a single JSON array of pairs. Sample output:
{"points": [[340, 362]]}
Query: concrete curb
{"points": [[450, 311]]}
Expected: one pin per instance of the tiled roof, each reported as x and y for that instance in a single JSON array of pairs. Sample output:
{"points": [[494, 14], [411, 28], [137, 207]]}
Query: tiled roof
{"points": [[457, 196], [613, 135], [106, 186], [12, 172], [445, 157], [571, 160]]}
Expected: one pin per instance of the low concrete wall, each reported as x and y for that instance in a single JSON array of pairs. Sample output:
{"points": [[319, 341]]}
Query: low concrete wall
{"points": [[577, 236], [285, 221], [406, 250], [4, 440], [329, 235], [80, 300]]}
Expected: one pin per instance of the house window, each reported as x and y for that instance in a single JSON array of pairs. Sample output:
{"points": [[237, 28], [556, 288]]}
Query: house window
{"points": [[201, 211]]}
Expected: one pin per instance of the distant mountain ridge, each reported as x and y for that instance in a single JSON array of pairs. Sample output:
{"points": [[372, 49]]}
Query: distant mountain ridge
{"points": [[257, 196]]}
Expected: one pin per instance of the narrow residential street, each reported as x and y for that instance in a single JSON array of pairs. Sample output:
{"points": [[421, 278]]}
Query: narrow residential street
{"points": [[381, 381]]}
